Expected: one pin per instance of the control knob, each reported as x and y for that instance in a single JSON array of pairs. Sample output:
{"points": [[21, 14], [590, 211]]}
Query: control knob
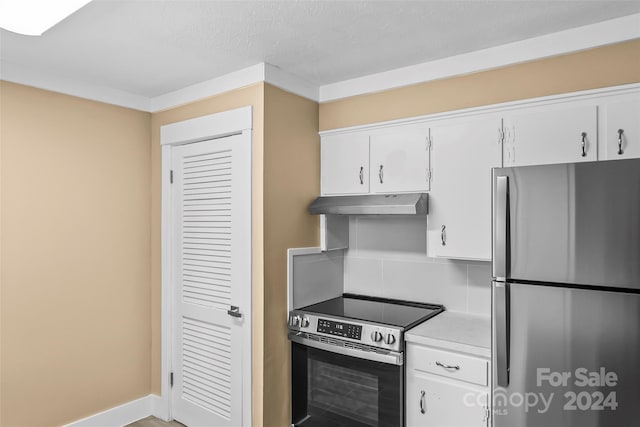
{"points": [[390, 339], [294, 320], [376, 336], [304, 322]]}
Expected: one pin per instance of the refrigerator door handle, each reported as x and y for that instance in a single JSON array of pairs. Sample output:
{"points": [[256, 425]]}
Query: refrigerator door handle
{"points": [[501, 317], [501, 228]]}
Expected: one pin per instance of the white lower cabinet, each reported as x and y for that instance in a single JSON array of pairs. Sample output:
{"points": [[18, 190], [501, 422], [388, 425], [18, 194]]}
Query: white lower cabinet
{"points": [[446, 389], [442, 403]]}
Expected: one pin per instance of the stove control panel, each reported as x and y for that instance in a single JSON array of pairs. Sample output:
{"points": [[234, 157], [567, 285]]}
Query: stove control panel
{"points": [[340, 329], [375, 335]]}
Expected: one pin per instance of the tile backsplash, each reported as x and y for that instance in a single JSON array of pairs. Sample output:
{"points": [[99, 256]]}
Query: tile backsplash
{"points": [[387, 257]]}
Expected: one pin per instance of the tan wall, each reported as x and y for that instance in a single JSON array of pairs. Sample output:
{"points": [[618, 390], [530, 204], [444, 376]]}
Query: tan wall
{"points": [[75, 267], [291, 182], [601, 67], [251, 95]]}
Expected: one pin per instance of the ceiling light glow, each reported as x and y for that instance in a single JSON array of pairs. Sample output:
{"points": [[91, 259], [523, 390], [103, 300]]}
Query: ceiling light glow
{"points": [[34, 17]]}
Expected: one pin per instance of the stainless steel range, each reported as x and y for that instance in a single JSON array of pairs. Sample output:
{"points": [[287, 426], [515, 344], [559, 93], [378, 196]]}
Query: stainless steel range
{"points": [[348, 360]]}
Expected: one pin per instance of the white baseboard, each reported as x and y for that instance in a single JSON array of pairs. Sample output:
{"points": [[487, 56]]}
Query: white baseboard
{"points": [[126, 413], [159, 407]]}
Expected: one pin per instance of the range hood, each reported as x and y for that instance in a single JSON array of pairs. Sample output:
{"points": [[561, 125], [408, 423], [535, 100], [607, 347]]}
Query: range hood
{"points": [[374, 204]]}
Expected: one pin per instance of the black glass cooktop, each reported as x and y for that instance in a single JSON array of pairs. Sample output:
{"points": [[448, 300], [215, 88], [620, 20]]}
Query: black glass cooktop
{"points": [[403, 314]]}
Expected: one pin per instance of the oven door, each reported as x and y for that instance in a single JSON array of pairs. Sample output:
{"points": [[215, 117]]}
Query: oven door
{"points": [[331, 388]]}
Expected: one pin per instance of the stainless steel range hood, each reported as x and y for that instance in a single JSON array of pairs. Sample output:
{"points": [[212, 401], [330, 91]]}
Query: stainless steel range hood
{"points": [[375, 204]]}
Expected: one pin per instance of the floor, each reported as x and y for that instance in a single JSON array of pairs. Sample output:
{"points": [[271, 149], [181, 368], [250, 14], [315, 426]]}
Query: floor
{"points": [[155, 422]]}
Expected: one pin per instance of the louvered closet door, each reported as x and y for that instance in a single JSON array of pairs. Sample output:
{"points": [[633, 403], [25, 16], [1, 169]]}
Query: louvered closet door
{"points": [[212, 272]]}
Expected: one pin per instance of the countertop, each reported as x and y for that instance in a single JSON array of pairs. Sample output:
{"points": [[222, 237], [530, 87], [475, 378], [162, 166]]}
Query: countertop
{"points": [[450, 330]]}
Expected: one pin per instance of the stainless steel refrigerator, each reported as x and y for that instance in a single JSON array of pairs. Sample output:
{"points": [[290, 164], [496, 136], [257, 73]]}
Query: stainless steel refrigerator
{"points": [[566, 295]]}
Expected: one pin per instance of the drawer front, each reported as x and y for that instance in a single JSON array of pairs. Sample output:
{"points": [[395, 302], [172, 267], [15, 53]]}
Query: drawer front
{"points": [[447, 364]]}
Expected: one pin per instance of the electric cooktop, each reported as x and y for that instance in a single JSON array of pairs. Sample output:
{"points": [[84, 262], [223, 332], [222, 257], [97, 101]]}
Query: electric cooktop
{"points": [[402, 314]]}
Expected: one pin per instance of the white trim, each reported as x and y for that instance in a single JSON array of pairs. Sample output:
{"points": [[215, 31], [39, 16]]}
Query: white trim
{"points": [[290, 83], [235, 80], [166, 243], [160, 407], [42, 80], [206, 127], [262, 72], [118, 416], [571, 40], [237, 121], [575, 39], [495, 108]]}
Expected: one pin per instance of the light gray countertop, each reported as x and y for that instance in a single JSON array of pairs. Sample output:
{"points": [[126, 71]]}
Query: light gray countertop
{"points": [[463, 332]]}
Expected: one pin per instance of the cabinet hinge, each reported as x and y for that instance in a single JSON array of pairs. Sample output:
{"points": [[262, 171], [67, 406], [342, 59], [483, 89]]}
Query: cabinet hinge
{"points": [[171, 379], [171, 177], [429, 174], [429, 142]]}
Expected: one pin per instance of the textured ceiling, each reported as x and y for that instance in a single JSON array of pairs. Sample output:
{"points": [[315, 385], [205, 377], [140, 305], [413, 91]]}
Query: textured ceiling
{"points": [[153, 47]]}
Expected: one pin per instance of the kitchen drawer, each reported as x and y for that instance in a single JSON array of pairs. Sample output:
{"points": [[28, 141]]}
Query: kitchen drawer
{"points": [[464, 368]]}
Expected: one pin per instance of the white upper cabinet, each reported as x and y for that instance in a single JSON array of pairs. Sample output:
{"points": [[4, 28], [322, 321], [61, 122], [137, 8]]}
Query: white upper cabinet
{"points": [[547, 135], [400, 161], [459, 223], [395, 160], [622, 129], [345, 164]]}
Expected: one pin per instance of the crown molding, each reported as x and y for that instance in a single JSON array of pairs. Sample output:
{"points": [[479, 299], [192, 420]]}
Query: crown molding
{"points": [[572, 40], [563, 42], [291, 83], [42, 80], [216, 86], [262, 72]]}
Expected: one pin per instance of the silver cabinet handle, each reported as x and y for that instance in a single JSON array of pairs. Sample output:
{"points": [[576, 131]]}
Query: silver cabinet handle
{"points": [[423, 404], [584, 144], [361, 175], [381, 175], [442, 365], [234, 311], [620, 132], [443, 235]]}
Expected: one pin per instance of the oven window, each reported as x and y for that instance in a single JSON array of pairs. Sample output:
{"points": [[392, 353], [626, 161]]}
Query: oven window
{"points": [[343, 391], [330, 389]]}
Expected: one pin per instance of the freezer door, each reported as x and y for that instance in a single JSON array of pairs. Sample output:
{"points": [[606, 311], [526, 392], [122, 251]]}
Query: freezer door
{"points": [[572, 357], [572, 223]]}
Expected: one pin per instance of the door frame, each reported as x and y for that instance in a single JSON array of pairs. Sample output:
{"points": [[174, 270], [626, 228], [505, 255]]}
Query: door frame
{"points": [[232, 122]]}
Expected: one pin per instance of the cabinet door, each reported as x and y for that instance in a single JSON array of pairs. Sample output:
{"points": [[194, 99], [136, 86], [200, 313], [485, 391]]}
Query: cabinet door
{"points": [[622, 129], [345, 164], [400, 161], [459, 220], [552, 135], [431, 402]]}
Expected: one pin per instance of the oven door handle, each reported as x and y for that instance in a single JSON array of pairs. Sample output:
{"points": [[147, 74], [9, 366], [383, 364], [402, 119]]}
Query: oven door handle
{"points": [[392, 357]]}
